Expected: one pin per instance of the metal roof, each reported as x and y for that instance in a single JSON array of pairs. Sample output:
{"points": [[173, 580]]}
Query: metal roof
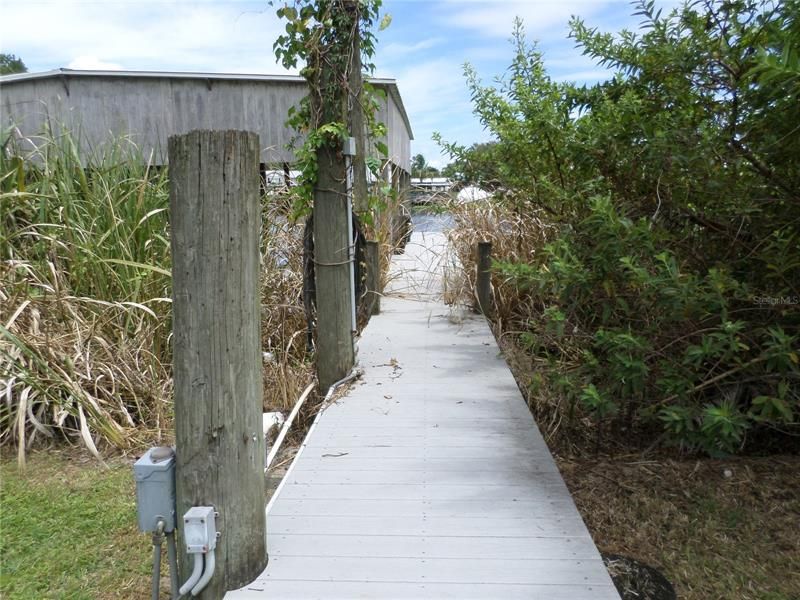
{"points": [[390, 84]]}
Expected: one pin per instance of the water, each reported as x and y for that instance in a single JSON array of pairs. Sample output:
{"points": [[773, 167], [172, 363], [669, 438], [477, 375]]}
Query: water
{"points": [[432, 222]]}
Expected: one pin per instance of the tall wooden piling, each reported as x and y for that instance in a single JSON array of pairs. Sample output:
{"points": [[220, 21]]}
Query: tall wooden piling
{"points": [[334, 352], [334, 345], [483, 287], [355, 116], [215, 216]]}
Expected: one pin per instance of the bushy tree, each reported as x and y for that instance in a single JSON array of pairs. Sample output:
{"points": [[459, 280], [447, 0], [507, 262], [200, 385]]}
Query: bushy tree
{"points": [[10, 64], [475, 165], [668, 291], [421, 168]]}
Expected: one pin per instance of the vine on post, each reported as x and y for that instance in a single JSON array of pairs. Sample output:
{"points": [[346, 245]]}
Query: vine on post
{"points": [[320, 33]]}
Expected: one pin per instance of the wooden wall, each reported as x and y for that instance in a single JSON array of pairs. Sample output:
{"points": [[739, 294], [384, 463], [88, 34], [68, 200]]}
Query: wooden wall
{"points": [[148, 108]]}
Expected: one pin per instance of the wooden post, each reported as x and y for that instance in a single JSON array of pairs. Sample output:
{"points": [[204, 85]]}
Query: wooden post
{"points": [[334, 349], [334, 353], [373, 260], [287, 175], [483, 287], [215, 216], [356, 117]]}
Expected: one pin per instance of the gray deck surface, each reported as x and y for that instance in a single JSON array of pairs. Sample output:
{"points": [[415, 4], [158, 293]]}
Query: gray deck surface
{"points": [[429, 479]]}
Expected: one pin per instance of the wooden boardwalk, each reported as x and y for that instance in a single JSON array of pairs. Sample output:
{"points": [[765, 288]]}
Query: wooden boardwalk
{"points": [[429, 479]]}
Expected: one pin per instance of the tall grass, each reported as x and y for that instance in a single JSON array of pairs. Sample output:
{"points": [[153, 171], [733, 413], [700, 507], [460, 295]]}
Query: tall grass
{"points": [[516, 236], [85, 287], [84, 311]]}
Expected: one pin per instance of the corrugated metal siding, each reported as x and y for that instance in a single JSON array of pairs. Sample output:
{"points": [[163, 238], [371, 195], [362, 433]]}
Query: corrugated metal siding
{"points": [[399, 146], [149, 109]]}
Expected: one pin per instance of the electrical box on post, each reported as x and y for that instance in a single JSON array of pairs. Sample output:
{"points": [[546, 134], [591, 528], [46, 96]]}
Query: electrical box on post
{"points": [[200, 529], [349, 147], [155, 489]]}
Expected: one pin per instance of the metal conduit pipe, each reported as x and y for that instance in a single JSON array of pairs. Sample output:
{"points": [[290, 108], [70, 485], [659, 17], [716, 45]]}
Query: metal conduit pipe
{"points": [[351, 245], [356, 372], [158, 539], [156, 570], [286, 425], [172, 557]]}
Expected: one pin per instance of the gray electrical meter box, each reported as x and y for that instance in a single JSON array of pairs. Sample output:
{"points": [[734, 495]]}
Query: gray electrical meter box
{"points": [[155, 488]]}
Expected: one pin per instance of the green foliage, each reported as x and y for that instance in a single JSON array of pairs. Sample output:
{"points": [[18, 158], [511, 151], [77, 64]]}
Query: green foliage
{"points": [[475, 165], [597, 402], [10, 64], [669, 276], [306, 156], [107, 220], [421, 168], [320, 35]]}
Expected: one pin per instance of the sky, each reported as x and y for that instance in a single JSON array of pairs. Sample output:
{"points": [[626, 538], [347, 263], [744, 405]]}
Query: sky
{"points": [[424, 49]]}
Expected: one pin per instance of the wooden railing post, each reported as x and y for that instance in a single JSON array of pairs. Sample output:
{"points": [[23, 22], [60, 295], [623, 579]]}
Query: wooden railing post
{"points": [[483, 287], [215, 215], [373, 268]]}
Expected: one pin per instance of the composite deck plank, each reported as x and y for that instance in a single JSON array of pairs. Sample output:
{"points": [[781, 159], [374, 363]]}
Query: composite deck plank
{"points": [[336, 462], [464, 476], [347, 590], [438, 570], [410, 451], [430, 508], [530, 527], [495, 493], [429, 478], [454, 547]]}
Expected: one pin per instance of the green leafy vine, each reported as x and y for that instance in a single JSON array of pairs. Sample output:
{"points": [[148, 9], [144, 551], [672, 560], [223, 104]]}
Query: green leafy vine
{"points": [[321, 34]]}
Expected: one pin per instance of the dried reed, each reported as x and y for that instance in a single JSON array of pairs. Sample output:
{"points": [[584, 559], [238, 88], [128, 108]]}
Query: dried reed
{"points": [[85, 311]]}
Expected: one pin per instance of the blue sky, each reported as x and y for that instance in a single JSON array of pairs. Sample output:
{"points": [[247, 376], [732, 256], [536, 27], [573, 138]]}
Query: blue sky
{"points": [[424, 48]]}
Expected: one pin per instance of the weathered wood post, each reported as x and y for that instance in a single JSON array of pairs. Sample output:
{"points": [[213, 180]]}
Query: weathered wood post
{"points": [[373, 267], [483, 286], [355, 114], [334, 349], [215, 215], [334, 354]]}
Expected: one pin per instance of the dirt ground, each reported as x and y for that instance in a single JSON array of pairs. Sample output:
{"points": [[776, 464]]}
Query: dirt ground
{"points": [[717, 529]]}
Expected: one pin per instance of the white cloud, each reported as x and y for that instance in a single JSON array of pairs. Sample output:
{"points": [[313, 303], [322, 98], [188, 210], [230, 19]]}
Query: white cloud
{"points": [[92, 63], [542, 18], [404, 48], [201, 36], [431, 86], [436, 98]]}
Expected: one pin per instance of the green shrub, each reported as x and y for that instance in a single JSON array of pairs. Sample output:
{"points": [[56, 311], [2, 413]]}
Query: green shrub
{"points": [[655, 337], [663, 289]]}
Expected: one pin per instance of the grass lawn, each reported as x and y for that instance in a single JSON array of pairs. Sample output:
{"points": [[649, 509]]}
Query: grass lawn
{"points": [[68, 530]]}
